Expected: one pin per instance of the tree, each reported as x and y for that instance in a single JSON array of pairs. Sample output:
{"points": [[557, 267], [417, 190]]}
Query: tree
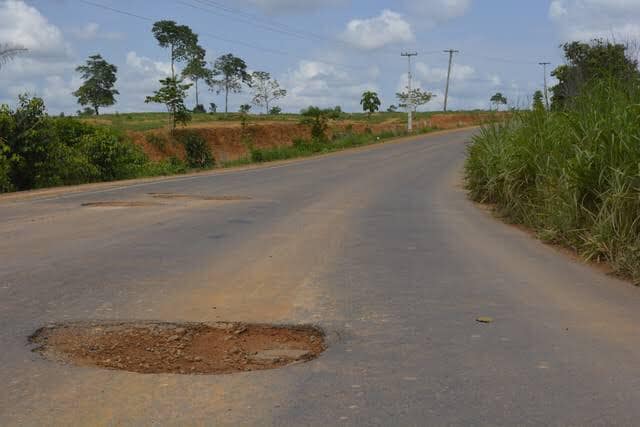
{"points": [[587, 62], [245, 108], [392, 109], [417, 98], [99, 79], [213, 107], [318, 119], [538, 101], [498, 99], [8, 52], [197, 70], [274, 111], [229, 73], [172, 94], [370, 103], [265, 89], [180, 39]]}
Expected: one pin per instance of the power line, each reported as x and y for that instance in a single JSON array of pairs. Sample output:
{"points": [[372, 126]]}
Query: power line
{"points": [[216, 37]]}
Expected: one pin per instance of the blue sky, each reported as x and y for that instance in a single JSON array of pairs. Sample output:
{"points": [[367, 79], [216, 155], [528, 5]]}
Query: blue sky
{"points": [[324, 52]]}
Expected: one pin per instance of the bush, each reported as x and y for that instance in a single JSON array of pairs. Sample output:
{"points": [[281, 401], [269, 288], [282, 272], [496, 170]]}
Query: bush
{"points": [[199, 109], [5, 166], [114, 158], [573, 176], [197, 150]]}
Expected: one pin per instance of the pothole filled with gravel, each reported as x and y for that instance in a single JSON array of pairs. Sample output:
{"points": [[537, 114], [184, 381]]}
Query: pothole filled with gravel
{"points": [[179, 348], [119, 204], [223, 198]]}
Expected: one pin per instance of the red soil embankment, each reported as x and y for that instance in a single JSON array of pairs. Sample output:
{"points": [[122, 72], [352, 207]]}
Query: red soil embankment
{"points": [[229, 141]]}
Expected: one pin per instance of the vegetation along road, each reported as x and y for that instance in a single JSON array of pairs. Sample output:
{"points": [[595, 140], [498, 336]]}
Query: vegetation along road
{"points": [[378, 246]]}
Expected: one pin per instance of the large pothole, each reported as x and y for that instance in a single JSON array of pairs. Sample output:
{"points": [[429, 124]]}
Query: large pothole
{"points": [[223, 198], [185, 348], [119, 204]]}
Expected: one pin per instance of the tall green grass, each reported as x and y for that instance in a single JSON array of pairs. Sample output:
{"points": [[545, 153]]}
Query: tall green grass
{"points": [[573, 176]]}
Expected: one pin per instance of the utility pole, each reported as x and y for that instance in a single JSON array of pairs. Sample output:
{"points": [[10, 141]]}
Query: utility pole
{"points": [[546, 93], [446, 91], [409, 94]]}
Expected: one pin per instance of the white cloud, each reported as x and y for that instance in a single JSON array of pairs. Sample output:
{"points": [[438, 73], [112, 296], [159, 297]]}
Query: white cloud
{"points": [[433, 12], [91, 31], [291, 6], [324, 85], [137, 79], [387, 28], [588, 19], [24, 25]]}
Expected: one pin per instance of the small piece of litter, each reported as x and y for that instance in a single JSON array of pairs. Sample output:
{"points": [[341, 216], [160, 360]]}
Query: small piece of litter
{"points": [[484, 319]]}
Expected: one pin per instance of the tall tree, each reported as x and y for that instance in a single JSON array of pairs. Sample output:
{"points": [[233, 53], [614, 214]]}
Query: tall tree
{"points": [[172, 94], [265, 89], [370, 103], [197, 70], [180, 39], [588, 61], [498, 99], [99, 79], [538, 101], [229, 73], [8, 52]]}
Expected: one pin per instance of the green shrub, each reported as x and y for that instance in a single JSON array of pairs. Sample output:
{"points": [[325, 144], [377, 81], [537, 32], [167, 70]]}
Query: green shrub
{"points": [[5, 167], [157, 141], [197, 150], [113, 157]]}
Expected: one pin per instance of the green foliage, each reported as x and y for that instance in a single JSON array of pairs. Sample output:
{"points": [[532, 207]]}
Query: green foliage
{"points": [[114, 157], [197, 150], [245, 108], [265, 89], [213, 107], [538, 101], [5, 168], [99, 79], [318, 119], [172, 94], [199, 109], [274, 111], [157, 141], [228, 74], [586, 62], [573, 176], [392, 109], [498, 99], [415, 98], [370, 102], [179, 39]]}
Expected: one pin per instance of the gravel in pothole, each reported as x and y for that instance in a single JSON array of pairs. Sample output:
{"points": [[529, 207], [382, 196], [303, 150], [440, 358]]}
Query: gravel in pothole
{"points": [[188, 348]]}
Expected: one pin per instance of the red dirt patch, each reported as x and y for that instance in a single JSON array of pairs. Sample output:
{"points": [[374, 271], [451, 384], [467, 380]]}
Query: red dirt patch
{"points": [[189, 348]]}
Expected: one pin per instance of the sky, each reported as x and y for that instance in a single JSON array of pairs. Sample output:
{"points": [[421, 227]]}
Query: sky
{"points": [[323, 52]]}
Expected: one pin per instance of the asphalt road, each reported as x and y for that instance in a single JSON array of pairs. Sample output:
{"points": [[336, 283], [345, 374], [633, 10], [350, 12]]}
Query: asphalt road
{"points": [[378, 246]]}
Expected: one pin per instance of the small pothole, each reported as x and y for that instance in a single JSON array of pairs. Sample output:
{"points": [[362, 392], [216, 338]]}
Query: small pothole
{"points": [[119, 204], [179, 348], [223, 198]]}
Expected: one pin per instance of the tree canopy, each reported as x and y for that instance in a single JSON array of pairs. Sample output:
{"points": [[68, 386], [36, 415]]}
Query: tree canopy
{"points": [[587, 62], [229, 73], [99, 80], [180, 39], [498, 99], [416, 98], [370, 102], [172, 94], [265, 89]]}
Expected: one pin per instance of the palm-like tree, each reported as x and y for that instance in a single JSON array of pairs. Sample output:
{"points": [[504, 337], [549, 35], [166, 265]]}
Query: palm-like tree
{"points": [[8, 52]]}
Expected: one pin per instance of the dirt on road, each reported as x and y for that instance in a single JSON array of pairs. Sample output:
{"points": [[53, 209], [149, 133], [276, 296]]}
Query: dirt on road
{"points": [[190, 348]]}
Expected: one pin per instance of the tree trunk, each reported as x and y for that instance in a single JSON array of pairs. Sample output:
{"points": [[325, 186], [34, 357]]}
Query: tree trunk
{"points": [[173, 73], [267, 105], [95, 107], [226, 99]]}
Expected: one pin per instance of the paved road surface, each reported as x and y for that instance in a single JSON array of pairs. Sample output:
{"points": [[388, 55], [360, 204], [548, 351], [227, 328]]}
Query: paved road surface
{"points": [[378, 246]]}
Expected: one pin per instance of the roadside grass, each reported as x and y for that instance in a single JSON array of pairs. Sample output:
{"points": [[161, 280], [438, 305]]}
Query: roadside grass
{"points": [[572, 176]]}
